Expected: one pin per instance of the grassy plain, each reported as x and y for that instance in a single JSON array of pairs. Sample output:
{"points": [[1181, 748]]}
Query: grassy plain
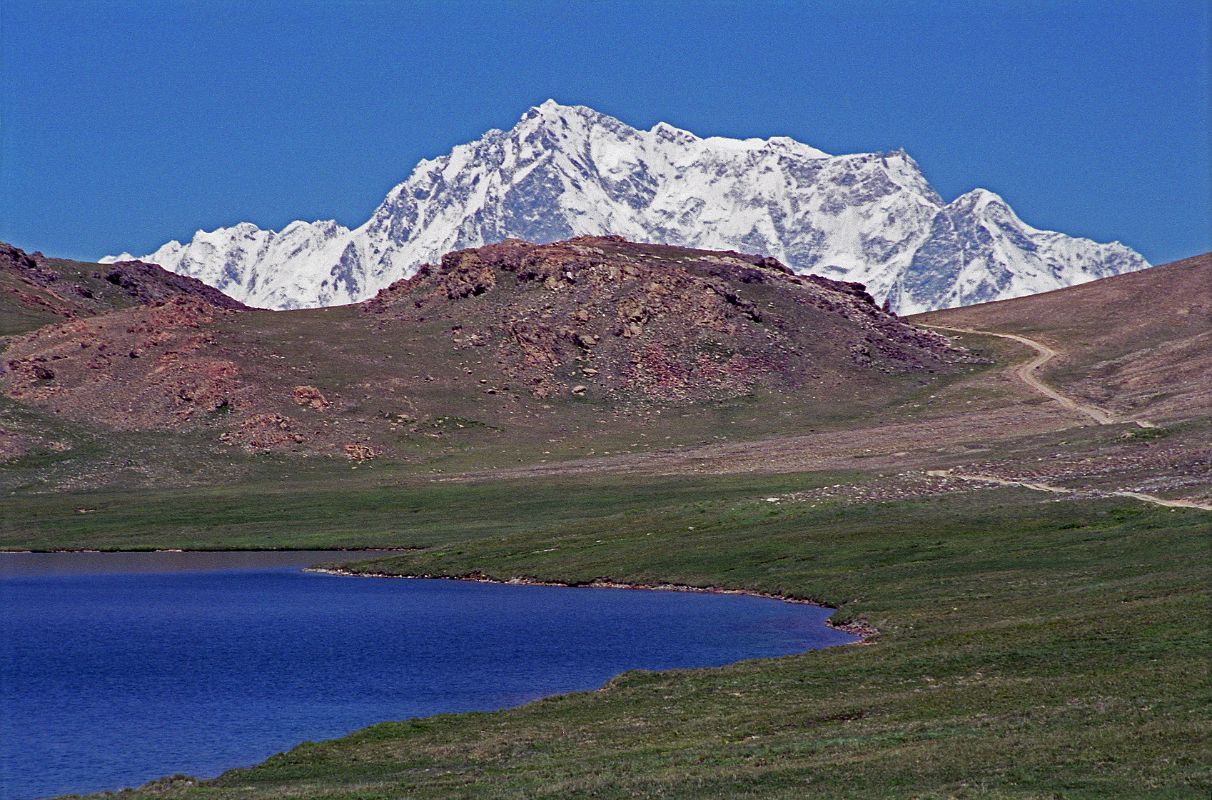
{"points": [[1027, 646]]}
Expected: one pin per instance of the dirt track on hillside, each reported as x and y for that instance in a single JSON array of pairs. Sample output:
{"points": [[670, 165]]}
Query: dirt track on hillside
{"points": [[1027, 374], [1043, 487], [931, 445]]}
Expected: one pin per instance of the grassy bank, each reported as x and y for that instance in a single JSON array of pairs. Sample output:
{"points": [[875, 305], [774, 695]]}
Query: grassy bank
{"points": [[373, 507], [1028, 647]]}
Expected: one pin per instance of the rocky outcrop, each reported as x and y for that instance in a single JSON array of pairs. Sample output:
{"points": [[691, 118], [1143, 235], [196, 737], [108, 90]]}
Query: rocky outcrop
{"points": [[309, 397], [149, 284], [150, 367], [483, 344], [648, 321], [264, 432], [362, 452], [46, 290]]}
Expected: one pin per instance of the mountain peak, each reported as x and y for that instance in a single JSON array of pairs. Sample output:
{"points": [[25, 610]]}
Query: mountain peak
{"points": [[569, 170], [979, 198], [671, 133], [550, 110]]}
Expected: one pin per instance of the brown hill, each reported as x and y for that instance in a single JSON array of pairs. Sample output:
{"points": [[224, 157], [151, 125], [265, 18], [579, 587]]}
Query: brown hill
{"points": [[1138, 344], [654, 321], [512, 341], [35, 290]]}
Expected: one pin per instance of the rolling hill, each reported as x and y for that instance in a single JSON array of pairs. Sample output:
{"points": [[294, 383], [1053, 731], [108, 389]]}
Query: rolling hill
{"points": [[1137, 344], [515, 345], [35, 290]]}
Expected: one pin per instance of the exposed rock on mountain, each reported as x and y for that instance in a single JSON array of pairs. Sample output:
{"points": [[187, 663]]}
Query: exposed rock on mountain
{"points": [[653, 321], [533, 340], [35, 290], [140, 368], [564, 171]]}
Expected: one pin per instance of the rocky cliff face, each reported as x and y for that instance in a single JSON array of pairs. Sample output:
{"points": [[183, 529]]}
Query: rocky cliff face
{"points": [[566, 171]]}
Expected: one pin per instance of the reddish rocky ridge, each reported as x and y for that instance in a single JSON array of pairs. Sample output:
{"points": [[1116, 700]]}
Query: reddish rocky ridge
{"points": [[55, 288], [486, 340], [651, 321], [141, 368]]}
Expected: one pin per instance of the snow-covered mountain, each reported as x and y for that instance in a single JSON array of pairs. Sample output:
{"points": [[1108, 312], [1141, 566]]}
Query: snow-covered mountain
{"points": [[565, 171]]}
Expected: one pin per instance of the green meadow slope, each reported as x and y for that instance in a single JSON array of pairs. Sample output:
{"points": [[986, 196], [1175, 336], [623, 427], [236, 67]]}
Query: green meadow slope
{"points": [[1026, 647]]}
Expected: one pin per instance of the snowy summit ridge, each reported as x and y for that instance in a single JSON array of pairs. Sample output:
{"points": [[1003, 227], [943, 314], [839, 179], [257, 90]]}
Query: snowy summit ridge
{"points": [[566, 171]]}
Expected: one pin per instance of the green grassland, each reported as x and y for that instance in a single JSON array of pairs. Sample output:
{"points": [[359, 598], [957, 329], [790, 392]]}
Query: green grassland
{"points": [[1027, 646]]}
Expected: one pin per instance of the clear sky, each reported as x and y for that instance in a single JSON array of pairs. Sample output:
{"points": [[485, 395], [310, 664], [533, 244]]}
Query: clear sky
{"points": [[125, 124]]}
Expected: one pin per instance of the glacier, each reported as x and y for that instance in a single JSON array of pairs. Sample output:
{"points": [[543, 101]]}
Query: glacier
{"points": [[566, 170]]}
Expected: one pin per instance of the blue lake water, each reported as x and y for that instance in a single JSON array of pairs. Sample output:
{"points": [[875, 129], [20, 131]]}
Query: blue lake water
{"points": [[119, 668]]}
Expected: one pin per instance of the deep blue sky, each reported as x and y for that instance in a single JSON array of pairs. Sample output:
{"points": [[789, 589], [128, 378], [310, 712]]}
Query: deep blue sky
{"points": [[129, 123]]}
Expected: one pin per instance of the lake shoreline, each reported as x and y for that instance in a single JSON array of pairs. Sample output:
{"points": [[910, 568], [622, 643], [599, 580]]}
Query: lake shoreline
{"points": [[866, 632], [268, 613]]}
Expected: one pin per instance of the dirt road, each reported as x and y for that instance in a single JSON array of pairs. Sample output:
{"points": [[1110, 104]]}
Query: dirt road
{"points": [[1027, 374], [1043, 487]]}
